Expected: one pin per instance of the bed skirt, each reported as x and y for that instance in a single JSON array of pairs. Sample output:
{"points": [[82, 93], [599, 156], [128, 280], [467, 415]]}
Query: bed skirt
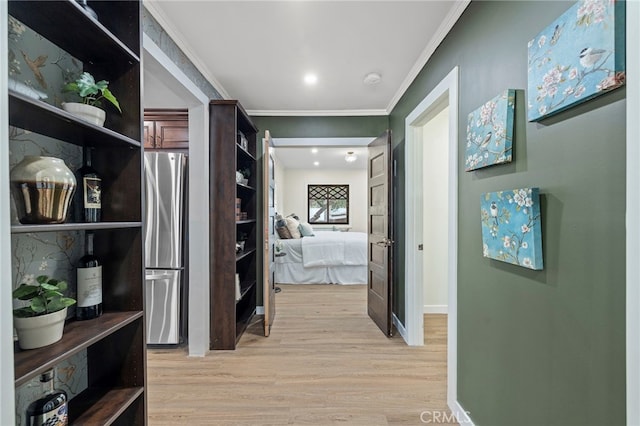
{"points": [[296, 273]]}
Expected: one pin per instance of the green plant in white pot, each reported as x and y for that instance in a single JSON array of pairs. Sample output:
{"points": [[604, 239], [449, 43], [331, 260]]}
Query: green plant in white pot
{"points": [[92, 94], [41, 323]]}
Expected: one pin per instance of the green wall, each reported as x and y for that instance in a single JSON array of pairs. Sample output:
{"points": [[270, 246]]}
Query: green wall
{"points": [[536, 347], [322, 127]]}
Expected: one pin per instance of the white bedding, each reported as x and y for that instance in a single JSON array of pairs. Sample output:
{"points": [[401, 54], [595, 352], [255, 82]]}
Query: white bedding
{"points": [[328, 257]]}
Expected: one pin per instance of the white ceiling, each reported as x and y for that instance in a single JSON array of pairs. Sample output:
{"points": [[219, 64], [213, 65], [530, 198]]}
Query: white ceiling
{"points": [[258, 51], [327, 157]]}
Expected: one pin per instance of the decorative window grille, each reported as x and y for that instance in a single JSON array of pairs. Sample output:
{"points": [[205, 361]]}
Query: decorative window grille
{"points": [[328, 204]]}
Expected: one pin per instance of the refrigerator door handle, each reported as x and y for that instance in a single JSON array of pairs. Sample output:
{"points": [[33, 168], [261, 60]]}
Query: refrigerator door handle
{"points": [[151, 277]]}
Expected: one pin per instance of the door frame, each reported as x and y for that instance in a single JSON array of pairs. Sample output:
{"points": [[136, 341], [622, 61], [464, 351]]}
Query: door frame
{"points": [[197, 222], [445, 92]]}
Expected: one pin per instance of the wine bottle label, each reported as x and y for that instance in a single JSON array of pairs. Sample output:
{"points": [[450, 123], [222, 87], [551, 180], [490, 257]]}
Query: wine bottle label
{"points": [[55, 417], [92, 187], [89, 286]]}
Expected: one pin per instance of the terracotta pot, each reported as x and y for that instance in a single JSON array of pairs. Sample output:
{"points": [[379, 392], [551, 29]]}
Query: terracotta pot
{"points": [[88, 113], [43, 330], [42, 189]]}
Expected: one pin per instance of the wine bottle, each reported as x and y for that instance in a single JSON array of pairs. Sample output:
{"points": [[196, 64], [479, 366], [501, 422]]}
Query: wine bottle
{"points": [[51, 408], [89, 273], [91, 190]]}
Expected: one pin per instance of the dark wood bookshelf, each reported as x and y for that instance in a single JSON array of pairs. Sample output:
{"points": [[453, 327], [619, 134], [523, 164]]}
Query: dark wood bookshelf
{"points": [[97, 405], [81, 226], [78, 335], [229, 317], [110, 49], [39, 117]]}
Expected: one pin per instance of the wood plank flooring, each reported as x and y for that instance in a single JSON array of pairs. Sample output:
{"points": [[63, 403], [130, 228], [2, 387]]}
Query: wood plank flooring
{"points": [[325, 363]]}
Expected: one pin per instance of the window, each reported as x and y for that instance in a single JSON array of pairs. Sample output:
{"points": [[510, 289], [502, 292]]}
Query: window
{"points": [[328, 203]]}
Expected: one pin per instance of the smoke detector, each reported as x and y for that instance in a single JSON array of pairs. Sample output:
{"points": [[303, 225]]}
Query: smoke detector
{"points": [[372, 79]]}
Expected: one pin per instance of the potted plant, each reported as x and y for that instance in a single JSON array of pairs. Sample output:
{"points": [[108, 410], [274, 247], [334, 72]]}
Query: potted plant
{"points": [[92, 94], [41, 323], [246, 172]]}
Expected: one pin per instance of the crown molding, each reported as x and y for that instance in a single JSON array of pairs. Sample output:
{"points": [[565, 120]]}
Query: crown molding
{"points": [[178, 39], [444, 28], [318, 113]]}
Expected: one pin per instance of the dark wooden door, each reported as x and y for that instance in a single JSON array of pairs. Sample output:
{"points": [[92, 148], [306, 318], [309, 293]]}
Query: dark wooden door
{"points": [[269, 285], [379, 242]]}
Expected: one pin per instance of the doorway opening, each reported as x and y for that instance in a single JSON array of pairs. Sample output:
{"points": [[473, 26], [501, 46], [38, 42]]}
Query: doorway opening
{"points": [[420, 127]]}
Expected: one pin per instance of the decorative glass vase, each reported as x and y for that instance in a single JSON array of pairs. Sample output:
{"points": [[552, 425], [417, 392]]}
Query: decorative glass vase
{"points": [[42, 189]]}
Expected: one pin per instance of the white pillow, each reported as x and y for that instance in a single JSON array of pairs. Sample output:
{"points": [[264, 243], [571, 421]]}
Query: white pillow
{"points": [[306, 230], [292, 226]]}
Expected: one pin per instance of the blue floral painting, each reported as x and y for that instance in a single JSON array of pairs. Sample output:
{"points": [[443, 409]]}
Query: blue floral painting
{"points": [[579, 56], [511, 230], [490, 132]]}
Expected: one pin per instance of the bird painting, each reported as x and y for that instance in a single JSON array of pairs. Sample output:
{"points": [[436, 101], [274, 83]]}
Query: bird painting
{"points": [[34, 66], [589, 56], [493, 211], [485, 142]]}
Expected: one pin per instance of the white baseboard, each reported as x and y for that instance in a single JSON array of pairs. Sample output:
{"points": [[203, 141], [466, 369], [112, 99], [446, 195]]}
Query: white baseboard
{"points": [[399, 327], [462, 415], [436, 309], [259, 310]]}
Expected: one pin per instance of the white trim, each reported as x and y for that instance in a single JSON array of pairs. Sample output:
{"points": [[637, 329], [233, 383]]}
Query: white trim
{"points": [[633, 206], [198, 222], [178, 39], [399, 326], [436, 309], [442, 31], [318, 113], [446, 91], [463, 416], [7, 402], [283, 142]]}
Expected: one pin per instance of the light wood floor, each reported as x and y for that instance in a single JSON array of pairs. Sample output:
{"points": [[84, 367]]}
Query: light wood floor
{"points": [[324, 363]]}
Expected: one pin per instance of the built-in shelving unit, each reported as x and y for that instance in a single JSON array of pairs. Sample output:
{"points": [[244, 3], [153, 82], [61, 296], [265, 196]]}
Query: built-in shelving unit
{"points": [[231, 315], [114, 342]]}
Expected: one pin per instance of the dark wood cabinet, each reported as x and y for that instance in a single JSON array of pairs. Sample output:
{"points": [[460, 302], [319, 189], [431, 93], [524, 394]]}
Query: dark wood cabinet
{"points": [[114, 342], [166, 129], [233, 220]]}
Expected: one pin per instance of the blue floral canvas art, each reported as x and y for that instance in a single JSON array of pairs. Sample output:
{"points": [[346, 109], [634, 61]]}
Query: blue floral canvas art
{"points": [[579, 56], [490, 132], [511, 230]]}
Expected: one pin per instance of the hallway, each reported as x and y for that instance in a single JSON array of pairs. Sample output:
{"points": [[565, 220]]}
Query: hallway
{"points": [[324, 363]]}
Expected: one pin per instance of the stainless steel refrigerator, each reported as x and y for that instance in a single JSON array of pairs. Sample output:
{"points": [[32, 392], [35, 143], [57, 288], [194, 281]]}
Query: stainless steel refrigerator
{"points": [[165, 244]]}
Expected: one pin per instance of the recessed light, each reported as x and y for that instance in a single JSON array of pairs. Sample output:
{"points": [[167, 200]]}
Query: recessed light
{"points": [[310, 79], [316, 163], [314, 150], [350, 157]]}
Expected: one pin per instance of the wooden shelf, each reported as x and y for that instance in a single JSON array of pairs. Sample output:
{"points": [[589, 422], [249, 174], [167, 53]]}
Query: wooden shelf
{"points": [[245, 287], [78, 335], [90, 40], [81, 226], [102, 406], [39, 117], [244, 254], [242, 186], [245, 153], [242, 222]]}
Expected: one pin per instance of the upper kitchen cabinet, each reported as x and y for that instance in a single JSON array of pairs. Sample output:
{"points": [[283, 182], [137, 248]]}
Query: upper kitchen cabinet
{"points": [[166, 129]]}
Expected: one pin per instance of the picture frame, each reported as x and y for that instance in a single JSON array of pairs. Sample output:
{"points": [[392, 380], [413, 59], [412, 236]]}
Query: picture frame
{"points": [[490, 132], [577, 57], [511, 227]]}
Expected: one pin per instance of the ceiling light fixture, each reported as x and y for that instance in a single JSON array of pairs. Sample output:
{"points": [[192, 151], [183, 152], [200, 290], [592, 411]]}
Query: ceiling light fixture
{"points": [[314, 150], [350, 157], [372, 79], [310, 79], [316, 163]]}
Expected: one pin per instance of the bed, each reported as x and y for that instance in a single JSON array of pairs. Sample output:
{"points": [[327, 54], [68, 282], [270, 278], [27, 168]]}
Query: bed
{"points": [[326, 258]]}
